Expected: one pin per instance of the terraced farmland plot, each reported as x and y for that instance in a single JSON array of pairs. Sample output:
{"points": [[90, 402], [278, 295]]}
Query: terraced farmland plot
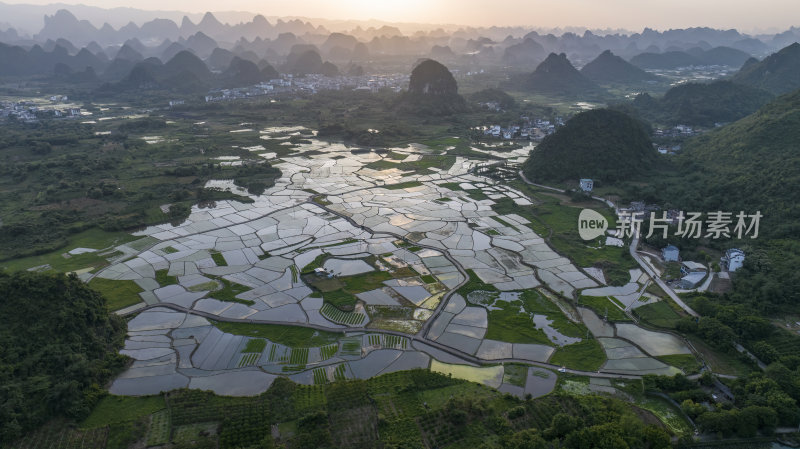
{"points": [[299, 356], [351, 346], [395, 342], [328, 351], [339, 372], [320, 376], [248, 359], [158, 433], [337, 316]]}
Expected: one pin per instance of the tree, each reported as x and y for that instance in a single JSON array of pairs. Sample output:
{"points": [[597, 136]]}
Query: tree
{"points": [[525, 439], [723, 422], [692, 409], [57, 344], [604, 436], [561, 425]]}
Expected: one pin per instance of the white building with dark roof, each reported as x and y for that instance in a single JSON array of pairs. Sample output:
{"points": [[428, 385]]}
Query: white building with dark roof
{"points": [[733, 259]]}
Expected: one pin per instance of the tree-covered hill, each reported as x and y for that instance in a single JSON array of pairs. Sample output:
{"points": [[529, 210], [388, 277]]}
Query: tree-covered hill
{"points": [[58, 347], [556, 75], [699, 104], [753, 164], [432, 90], [602, 144], [778, 73], [610, 68]]}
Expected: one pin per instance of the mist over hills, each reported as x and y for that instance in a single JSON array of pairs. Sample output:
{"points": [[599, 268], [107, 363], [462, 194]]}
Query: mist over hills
{"points": [[254, 48], [82, 25], [695, 56]]}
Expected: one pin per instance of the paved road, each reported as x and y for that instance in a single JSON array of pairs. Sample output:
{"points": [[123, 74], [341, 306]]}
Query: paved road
{"points": [[654, 276], [634, 243], [417, 338]]}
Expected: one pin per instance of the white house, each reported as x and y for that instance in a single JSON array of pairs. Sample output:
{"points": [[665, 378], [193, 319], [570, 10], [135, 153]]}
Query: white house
{"points": [[733, 259], [587, 185]]}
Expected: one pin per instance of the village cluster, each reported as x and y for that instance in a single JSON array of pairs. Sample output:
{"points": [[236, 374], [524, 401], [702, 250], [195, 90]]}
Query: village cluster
{"points": [[31, 110], [310, 84], [530, 128]]}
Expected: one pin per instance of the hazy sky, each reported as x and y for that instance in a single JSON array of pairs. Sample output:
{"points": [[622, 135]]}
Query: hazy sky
{"points": [[630, 14]]}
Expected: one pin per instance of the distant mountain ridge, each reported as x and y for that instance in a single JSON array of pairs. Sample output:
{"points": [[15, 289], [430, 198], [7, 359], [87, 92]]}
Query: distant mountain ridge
{"points": [[610, 68], [556, 75], [64, 24], [691, 57]]}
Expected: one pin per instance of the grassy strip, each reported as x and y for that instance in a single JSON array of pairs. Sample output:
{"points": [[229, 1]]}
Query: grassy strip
{"points": [[428, 279], [292, 336], [454, 186], [442, 162], [396, 156], [658, 314], [229, 291], [475, 283], [165, 279], [685, 362], [515, 374], [314, 264], [219, 259], [586, 355], [118, 294], [512, 321], [601, 304], [403, 185], [255, 345]]}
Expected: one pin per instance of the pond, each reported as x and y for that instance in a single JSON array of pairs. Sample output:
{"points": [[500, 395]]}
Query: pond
{"points": [[543, 323], [347, 267]]}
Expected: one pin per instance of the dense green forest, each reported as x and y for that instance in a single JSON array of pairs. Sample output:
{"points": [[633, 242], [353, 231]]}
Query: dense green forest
{"points": [[752, 165], [58, 348], [602, 144], [698, 104], [759, 403]]}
